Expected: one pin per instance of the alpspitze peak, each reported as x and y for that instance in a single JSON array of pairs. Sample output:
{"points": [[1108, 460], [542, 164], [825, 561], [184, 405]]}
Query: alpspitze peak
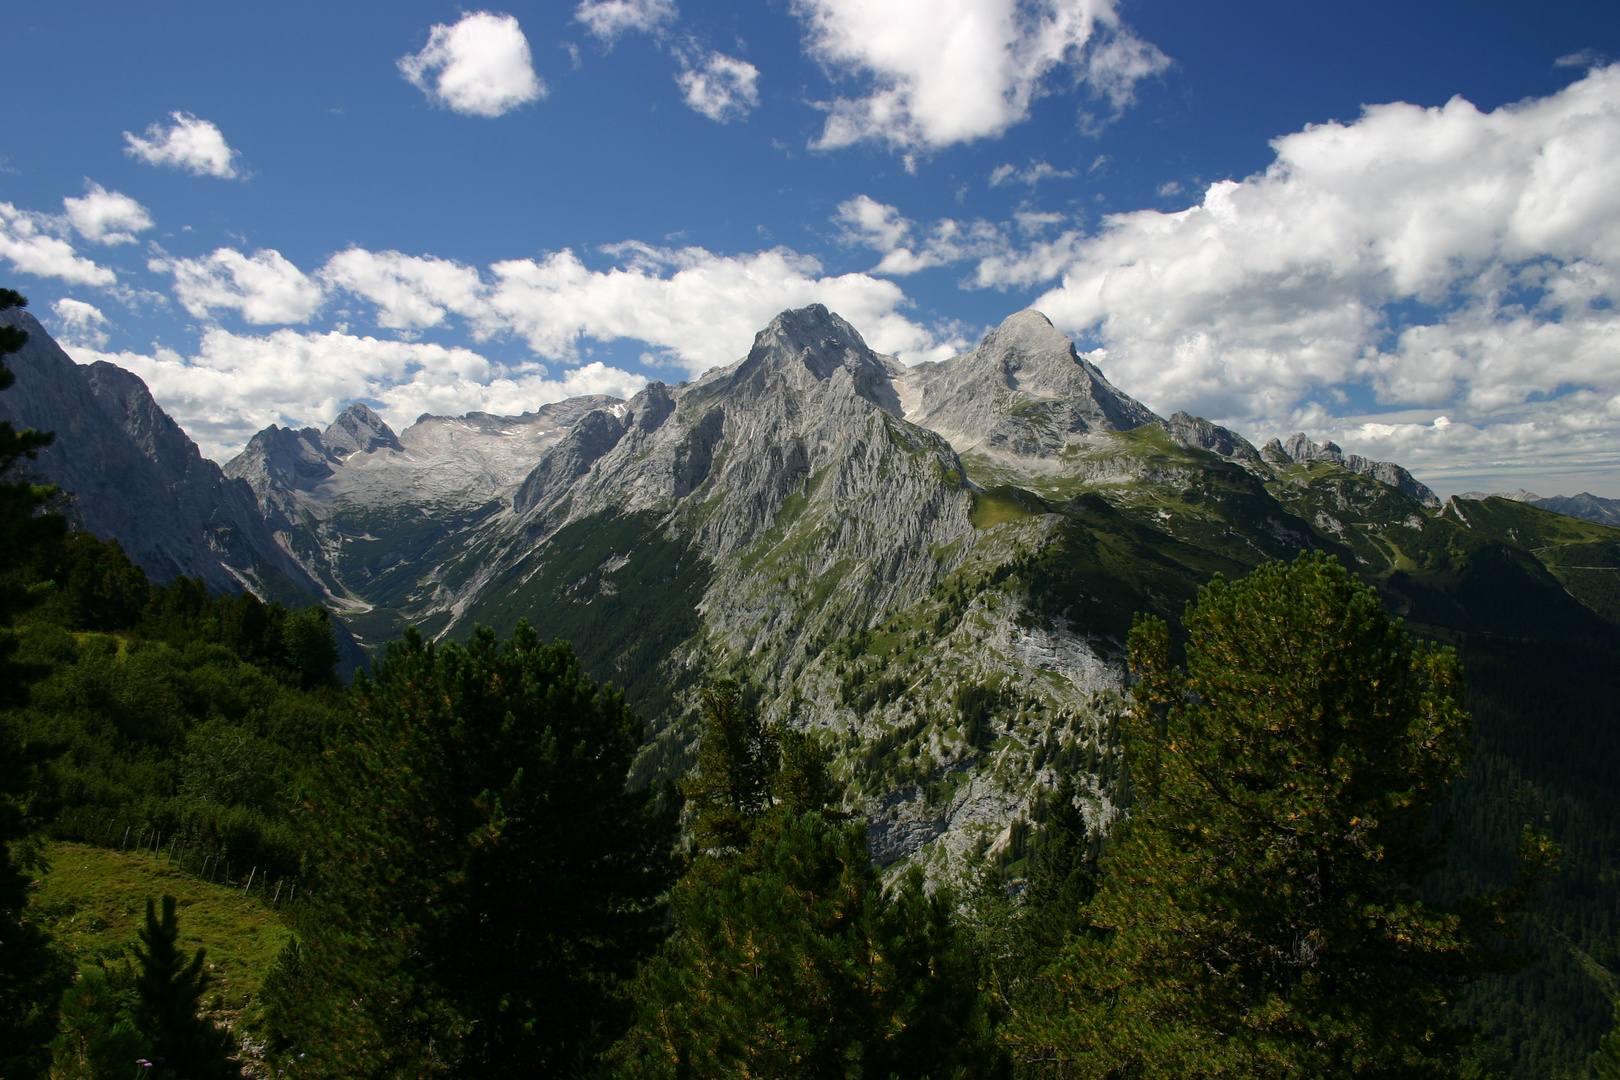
{"points": [[819, 339], [1030, 331]]}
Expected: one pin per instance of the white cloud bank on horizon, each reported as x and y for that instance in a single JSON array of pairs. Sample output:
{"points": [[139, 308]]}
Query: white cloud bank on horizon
{"points": [[1497, 235], [947, 71], [238, 384], [481, 66], [189, 143], [81, 324], [694, 309], [263, 288]]}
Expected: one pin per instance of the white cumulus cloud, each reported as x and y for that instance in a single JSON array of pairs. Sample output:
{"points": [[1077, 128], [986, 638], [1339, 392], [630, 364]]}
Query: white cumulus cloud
{"points": [[938, 72], [695, 308], [28, 243], [411, 292], [107, 217], [609, 19], [1446, 261], [263, 287], [720, 87], [189, 143], [481, 66], [81, 323]]}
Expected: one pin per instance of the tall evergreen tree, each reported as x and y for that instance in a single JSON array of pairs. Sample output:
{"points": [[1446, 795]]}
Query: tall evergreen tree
{"points": [[789, 959], [485, 882], [98, 1039], [1260, 911], [31, 975], [737, 760], [1606, 1059], [169, 988]]}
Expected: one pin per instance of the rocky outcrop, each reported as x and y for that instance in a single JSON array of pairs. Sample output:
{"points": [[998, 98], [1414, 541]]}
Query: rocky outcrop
{"points": [[1024, 392], [130, 472], [1196, 432], [358, 430], [1301, 450]]}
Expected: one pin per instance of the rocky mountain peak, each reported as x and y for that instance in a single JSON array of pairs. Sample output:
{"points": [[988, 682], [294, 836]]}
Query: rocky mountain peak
{"points": [[130, 472], [803, 348], [1189, 430], [811, 336], [1301, 450], [358, 430], [1023, 393], [285, 458]]}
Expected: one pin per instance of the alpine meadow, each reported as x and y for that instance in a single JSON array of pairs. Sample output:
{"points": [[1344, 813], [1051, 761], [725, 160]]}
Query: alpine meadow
{"points": [[982, 540]]}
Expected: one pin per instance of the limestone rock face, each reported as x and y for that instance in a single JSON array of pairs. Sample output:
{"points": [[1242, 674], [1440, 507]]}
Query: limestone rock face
{"points": [[129, 472], [1301, 450], [358, 430], [1195, 431], [1024, 392]]}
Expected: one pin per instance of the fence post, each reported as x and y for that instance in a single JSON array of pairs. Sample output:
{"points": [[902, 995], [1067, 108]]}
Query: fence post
{"points": [[125, 842], [249, 884]]}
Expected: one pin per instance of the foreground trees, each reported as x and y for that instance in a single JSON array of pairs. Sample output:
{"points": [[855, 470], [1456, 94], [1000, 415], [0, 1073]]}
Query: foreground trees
{"points": [[1259, 913], [788, 958], [485, 883], [31, 975]]}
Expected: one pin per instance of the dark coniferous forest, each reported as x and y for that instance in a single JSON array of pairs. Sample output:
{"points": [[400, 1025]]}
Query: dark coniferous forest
{"points": [[1350, 850]]}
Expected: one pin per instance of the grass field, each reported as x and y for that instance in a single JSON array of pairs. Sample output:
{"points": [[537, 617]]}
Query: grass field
{"points": [[94, 900]]}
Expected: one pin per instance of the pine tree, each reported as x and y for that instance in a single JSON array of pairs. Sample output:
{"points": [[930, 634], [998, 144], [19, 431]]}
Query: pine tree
{"points": [[31, 974], [1605, 1062], [788, 957], [731, 784], [99, 1039], [169, 990], [485, 882], [27, 537], [1260, 913]]}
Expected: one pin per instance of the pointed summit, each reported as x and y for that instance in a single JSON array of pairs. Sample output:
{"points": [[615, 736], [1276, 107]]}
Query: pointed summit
{"points": [[358, 430], [804, 347], [1023, 392]]}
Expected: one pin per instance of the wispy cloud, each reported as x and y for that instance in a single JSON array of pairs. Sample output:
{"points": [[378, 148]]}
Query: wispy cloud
{"points": [[608, 20]]}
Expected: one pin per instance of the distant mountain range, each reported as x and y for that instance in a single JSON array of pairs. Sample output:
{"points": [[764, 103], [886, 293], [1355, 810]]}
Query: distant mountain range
{"points": [[1585, 505]]}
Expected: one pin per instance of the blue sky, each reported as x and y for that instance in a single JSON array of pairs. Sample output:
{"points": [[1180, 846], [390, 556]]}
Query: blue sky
{"points": [[1272, 214]]}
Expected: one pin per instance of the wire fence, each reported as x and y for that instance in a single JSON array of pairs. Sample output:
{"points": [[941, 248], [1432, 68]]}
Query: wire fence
{"points": [[201, 852]]}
